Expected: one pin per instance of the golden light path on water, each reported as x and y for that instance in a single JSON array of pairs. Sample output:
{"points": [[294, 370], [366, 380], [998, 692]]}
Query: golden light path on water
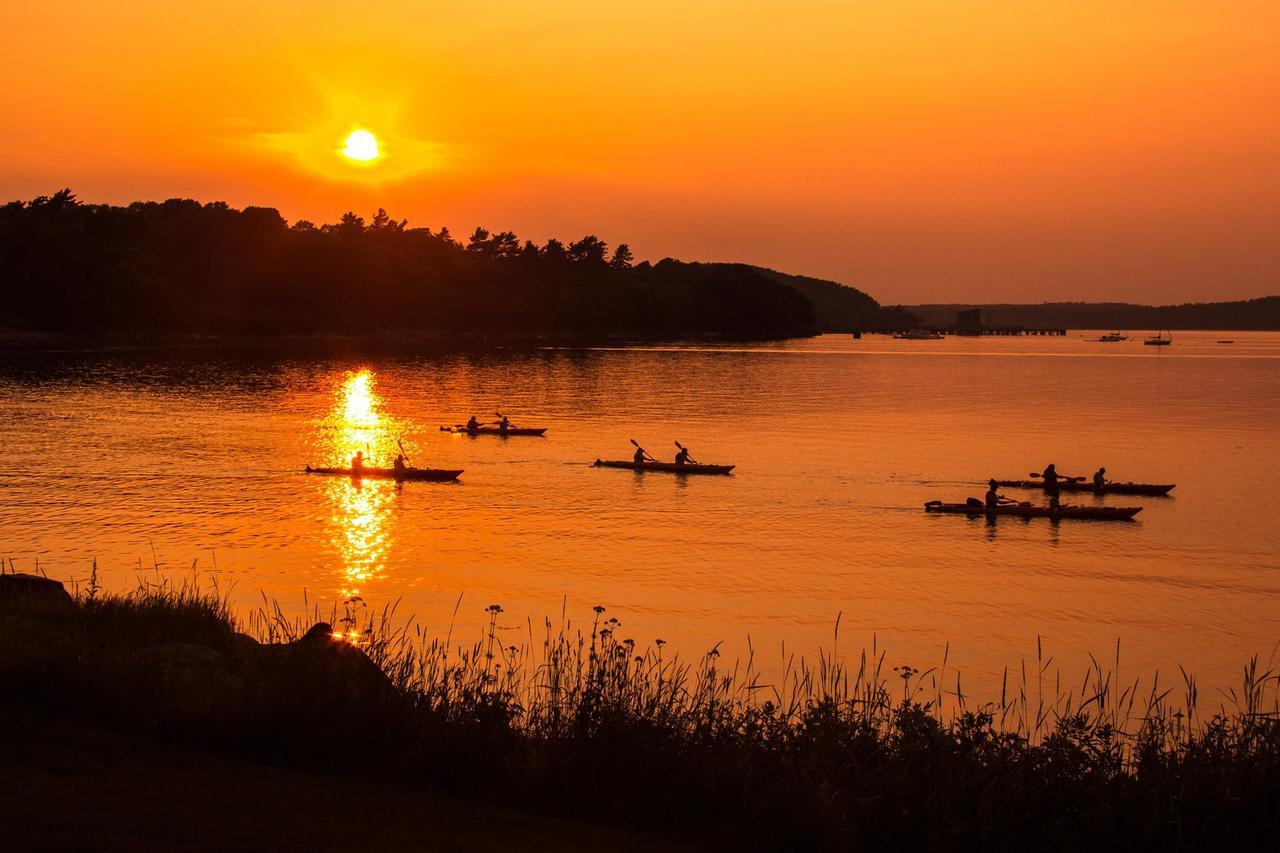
{"points": [[361, 510]]}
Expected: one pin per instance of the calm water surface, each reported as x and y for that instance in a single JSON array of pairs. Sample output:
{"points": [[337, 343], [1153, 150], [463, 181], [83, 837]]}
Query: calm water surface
{"points": [[838, 444]]}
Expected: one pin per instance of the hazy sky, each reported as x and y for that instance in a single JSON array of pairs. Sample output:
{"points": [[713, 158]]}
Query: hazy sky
{"points": [[923, 151]]}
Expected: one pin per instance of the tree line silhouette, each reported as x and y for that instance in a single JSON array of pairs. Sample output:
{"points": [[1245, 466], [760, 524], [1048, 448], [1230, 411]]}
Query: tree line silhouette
{"points": [[180, 266]]}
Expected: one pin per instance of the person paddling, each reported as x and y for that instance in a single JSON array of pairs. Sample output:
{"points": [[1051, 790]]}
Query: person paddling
{"points": [[357, 462], [640, 457], [399, 464], [1100, 479], [504, 424], [994, 499], [682, 458], [473, 425], [1052, 477]]}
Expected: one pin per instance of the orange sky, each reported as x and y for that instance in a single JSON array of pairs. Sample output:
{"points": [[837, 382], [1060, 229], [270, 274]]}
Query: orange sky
{"points": [[923, 151]]}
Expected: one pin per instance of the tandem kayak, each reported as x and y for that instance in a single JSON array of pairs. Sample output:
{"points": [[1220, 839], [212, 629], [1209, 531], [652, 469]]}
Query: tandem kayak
{"points": [[1093, 513], [493, 430], [437, 475], [1109, 488], [669, 467]]}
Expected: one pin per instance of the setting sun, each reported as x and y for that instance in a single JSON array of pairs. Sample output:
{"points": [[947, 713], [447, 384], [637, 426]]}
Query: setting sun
{"points": [[361, 146]]}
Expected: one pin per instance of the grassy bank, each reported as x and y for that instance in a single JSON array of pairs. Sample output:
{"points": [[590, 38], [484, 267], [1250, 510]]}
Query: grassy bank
{"points": [[582, 722]]}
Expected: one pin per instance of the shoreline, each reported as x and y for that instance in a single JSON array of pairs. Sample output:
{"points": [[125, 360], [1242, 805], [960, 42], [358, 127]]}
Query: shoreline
{"points": [[14, 342], [586, 727]]}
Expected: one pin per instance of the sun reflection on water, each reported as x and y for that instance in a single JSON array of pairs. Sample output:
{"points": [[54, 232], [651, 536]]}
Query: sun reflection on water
{"points": [[361, 510]]}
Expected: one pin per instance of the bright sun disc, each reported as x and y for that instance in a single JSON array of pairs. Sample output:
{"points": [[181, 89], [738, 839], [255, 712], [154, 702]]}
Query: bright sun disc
{"points": [[361, 146]]}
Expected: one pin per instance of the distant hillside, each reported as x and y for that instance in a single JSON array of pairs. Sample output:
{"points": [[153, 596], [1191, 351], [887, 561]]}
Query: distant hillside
{"points": [[1251, 315], [837, 307]]}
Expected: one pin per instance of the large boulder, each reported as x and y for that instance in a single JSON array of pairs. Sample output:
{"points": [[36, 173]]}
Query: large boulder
{"points": [[35, 595], [318, 671], [184, 680], [38, 622]]}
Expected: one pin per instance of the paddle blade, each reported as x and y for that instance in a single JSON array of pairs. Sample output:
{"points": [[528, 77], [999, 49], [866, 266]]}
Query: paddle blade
{"points": [[636, 443], [1035, 474]]}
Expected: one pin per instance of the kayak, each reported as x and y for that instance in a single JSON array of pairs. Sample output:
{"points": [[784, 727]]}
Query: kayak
{"points": [[493, 430], [368, 472], [669, 467], [1112, 488], [1094, 513]]}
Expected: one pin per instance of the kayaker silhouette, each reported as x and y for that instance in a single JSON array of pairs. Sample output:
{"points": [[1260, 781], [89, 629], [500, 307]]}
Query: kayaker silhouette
{"points": [[1052, 477], [357, 462], [994, 498], [505, 423], [1100, 478], [399, 464], [473, 424], [683, 457]]}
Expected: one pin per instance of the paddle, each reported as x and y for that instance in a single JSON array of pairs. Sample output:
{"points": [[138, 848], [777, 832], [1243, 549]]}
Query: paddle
{"points": [[642, 450], [1038, 475], [690, 458], [404, 452], [509, 424]]}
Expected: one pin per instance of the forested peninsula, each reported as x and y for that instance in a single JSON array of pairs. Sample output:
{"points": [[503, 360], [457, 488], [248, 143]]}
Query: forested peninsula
{"points": [[183, 268]]}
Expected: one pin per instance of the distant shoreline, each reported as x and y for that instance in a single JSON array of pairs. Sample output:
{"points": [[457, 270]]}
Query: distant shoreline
{"points": [[1251, 315], [48, 343]]}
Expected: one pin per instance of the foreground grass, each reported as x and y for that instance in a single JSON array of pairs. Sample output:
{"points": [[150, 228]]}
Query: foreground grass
{"points": [[582, 722]]}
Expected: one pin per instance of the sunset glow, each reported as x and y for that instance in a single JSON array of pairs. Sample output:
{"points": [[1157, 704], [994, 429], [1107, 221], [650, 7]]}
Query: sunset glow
{"points": [[920, 151], [771, 424]]}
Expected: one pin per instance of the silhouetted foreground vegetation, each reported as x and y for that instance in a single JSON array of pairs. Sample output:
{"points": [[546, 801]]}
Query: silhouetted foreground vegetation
{"points": [[182, 267], [588, 723]]}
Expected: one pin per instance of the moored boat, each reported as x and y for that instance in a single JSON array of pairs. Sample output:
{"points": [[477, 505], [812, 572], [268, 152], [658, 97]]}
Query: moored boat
{"points": [[1163, 339], [1113, 338], [493, 430], [1108, 488], [1026, 510], [668, 467], [438, 475]]}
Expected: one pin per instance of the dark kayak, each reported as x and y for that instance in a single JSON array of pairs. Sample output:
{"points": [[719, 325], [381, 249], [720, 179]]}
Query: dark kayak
{"points": [[1109, 488], [669, 467], [1094, 513], [493, 430], [368, 472]]}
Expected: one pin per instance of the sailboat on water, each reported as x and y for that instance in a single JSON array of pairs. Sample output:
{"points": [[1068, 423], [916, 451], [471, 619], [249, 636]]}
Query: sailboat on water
{"points": [[1163, 339]]}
